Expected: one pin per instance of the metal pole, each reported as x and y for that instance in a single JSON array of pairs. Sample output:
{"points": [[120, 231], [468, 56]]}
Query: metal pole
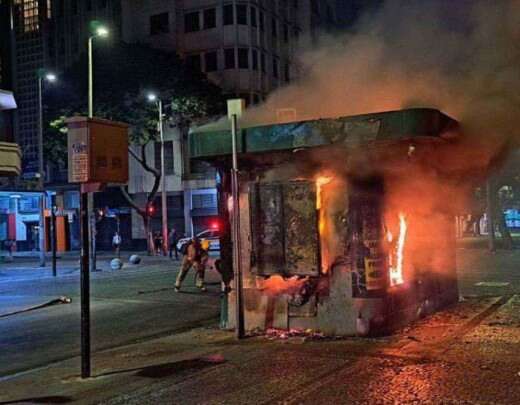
{"points": [[164, 208], [490, 215], [85, 287], [53, 238], [41, 232], [90, 80], [92, 221], [239, 330]]}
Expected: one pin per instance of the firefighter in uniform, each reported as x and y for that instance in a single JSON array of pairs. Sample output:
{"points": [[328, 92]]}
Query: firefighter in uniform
{"points": [[197, 257]]}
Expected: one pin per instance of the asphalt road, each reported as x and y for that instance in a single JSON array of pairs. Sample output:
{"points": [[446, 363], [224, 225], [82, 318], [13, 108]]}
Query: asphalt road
{"points": [[129, 305]]}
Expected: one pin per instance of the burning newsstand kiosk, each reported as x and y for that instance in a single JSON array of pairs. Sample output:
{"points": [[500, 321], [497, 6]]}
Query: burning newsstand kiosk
{"points": [[337, 235]]}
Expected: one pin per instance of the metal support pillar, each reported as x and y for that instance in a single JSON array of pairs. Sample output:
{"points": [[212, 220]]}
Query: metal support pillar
{"points": [[53, 237], [85, 286], [237, 265]]}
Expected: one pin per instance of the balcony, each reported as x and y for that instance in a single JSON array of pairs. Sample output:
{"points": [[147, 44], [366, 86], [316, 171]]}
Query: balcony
{"points": [[10, 159]]}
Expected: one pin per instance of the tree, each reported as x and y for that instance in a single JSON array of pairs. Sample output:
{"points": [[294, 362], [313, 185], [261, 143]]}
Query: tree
{"points": [[123, 74]]}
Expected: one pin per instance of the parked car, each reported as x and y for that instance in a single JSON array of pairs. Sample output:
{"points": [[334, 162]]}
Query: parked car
{"points": [[212, 235]]}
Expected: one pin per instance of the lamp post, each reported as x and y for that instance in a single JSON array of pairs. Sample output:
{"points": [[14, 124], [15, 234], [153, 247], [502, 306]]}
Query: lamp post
{"points": [[100, 32], [49, 77], [86, 207], [164, 211]]}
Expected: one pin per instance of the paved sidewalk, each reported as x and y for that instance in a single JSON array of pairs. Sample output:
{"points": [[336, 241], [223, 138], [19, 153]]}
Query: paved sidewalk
{"points": [[462, 355]]}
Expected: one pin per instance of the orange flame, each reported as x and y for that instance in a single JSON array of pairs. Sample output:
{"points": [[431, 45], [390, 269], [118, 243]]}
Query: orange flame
{"points": [[320, 182], [396, 271], [276, 285]]}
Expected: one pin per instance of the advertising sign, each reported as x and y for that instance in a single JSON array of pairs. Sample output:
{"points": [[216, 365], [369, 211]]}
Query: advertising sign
{"points": [[97, 151]]}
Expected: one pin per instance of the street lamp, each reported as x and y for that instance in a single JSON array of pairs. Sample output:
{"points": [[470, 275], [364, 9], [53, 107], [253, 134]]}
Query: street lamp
{"points": [[87, 224], [164, 212], [101, 32], [49, 77]]}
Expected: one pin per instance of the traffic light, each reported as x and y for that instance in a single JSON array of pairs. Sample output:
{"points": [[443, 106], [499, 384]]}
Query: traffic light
{"points": [[150, 209]]}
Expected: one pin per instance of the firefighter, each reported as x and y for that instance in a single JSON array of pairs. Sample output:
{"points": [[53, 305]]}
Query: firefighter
{"points": [[196, 256]]}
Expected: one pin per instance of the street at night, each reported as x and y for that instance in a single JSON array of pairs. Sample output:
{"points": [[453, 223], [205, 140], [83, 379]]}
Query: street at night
{"points": [[129, 305]]}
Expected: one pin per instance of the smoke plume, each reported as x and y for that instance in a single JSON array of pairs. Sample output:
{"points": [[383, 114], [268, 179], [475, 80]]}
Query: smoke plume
{"points": [[461, 57]]}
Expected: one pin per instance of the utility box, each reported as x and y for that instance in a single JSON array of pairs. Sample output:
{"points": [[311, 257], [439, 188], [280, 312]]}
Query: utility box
{"points": [[97, 150]]}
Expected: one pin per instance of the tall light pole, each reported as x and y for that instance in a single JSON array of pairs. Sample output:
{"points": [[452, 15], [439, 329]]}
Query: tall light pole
{"points": [[50, 77], [164, 209], [101, 32], [86, 207]]}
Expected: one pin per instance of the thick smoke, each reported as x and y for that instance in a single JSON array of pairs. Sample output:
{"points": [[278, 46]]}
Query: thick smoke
{"points": [[459, 56]]}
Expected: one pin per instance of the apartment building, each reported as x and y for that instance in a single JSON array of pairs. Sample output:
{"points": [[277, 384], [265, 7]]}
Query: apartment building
{"points": [[246, 47]]}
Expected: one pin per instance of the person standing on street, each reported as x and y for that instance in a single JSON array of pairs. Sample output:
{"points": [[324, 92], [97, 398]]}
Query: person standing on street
{"points": [[173, 238], [157, 241], [195, 257], [116, 243]]}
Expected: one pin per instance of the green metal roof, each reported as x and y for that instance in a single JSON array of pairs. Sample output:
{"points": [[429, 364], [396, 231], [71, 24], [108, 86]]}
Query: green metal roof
{"points": [[346, 131]]}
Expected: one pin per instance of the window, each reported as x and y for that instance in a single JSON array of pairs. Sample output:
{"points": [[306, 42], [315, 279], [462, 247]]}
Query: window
{"points": [[210, 18], [229, 58], [174, 202], [286, 33], [275, 67], [253, 17], [204, 201], [168, 157], [159, 24], [255, 59], [74, 7], [210, 61], [241, 14], [287, 74], [102, 3], [262, 59], [274, 27], [243, 58], [191, 22], [228, 15], [89, 5], [245, 97], [193, 61], [262, 21]]}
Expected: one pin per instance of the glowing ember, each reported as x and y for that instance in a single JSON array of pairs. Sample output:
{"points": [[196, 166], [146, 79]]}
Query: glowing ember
{"points": [[276, 285], [396, 269]]}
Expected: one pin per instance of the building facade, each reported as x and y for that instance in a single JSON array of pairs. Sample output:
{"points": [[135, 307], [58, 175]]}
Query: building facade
{"points": [[246, 47]]}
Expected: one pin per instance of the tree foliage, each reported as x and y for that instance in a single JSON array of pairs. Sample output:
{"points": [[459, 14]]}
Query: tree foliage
{"points": [[123, 75]]}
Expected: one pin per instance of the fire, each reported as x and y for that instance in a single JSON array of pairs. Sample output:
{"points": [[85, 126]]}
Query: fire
{"points": [[320, 182], [276, 284], [396, 269]]}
